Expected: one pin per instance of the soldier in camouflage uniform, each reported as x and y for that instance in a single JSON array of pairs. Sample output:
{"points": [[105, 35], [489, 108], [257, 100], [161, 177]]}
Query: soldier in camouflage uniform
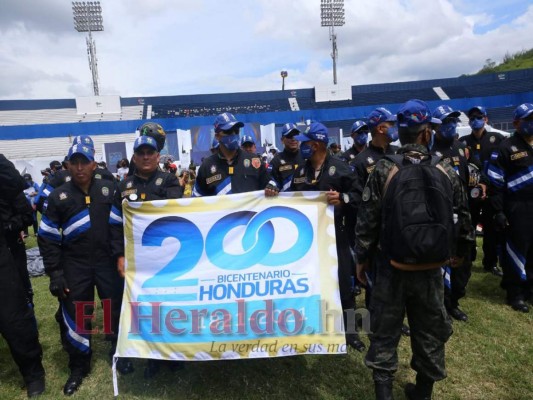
{"points": [[397, 291]]}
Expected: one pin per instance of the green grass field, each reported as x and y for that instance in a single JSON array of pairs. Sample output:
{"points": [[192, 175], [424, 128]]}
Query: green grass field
{"points": [[489, 357]]}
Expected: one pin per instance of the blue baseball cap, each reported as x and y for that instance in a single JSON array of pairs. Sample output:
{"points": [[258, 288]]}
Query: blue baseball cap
{"points": [[415, 112], [226, 121], [247, 139], [481, 109], [358, 125], [145, 141], [84, 150], [289, 129], [316, 132], [444, 111], [379, 115], [83, 139], [523, 111], [215, 144]]}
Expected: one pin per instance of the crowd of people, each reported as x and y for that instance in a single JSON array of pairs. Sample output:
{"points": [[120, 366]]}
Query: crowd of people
{"points": [[405, 222]]}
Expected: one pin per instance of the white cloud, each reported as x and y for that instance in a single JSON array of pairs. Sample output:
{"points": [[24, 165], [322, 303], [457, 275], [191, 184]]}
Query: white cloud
{"points": [[181, 47]]}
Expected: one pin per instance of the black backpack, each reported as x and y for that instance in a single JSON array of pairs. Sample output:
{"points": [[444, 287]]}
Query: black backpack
{"points": [[417, 213]]}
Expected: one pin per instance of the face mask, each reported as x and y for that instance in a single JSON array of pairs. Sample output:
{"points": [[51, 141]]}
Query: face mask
{"points": [[230, 142], [392, 133], [306, 151], [526, 128], [448, 131], [361, 139], [476, 124]]}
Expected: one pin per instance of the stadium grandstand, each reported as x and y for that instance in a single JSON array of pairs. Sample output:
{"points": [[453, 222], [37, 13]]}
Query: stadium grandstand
{"points": [[45, 128]]}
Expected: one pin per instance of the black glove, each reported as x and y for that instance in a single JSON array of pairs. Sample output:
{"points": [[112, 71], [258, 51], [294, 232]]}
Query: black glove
{"points": [[500, 222], [58, 284]]}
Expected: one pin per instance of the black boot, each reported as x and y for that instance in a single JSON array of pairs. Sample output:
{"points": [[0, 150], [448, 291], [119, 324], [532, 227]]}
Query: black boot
{"points": [[383, 390], [421, 391]]}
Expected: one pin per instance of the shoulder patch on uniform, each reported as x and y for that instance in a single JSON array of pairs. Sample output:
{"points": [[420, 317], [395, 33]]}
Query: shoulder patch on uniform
{"points": [[282, 161], [366, 194], [514, 148], [461, 152], [158, 181], [105, 191], [97, 176], [213, 169], [352, 156], [62, 196], [246, 163], [370, 160], [332, 170], [492, 139], [256, 163], [68, 178], [129, 185]]}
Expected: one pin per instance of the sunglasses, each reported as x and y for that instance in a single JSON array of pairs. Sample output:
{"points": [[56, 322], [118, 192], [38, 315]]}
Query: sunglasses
{"points": [[473, 117]]}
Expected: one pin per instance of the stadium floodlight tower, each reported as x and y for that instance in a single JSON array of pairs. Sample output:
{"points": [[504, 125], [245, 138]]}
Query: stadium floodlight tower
{"points": [[88, 18], [332, 15]]}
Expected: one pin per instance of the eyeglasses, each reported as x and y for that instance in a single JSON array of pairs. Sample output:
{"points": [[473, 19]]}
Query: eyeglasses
{"points": [[473, 117]]}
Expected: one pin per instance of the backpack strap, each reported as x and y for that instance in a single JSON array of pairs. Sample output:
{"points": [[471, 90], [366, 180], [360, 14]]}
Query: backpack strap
{"points": [[397, 159]]}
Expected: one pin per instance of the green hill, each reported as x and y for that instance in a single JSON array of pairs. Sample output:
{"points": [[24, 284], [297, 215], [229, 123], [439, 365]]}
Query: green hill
{"points": [[521, 60]]}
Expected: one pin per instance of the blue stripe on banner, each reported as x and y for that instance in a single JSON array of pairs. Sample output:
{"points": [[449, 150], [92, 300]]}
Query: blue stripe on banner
{"points": [[81, 342], [115, 216], [166, 298], [517, 260], [49, 230], [224, 187], [518, 181], [77, 225]]}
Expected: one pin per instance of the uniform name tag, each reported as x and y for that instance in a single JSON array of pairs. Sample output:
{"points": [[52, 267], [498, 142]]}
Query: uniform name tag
{"points": [[214, 178], [285, 168]]}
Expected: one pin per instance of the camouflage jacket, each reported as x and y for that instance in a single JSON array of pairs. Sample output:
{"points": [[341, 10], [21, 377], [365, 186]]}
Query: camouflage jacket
{"points": [[368, 226]]}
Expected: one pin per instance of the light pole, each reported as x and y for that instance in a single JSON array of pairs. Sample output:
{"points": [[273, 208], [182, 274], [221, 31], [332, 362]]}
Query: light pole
{"points": [[88, 18], [332, 15], [284, 74]]}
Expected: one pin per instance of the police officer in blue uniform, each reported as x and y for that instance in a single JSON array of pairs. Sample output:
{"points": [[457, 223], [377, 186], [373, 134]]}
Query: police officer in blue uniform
{"points": [[381, 123], [74, 240], [230, 170], [17, 319], [511, 197], [325, 172], [481, 144], [360, 139], [284, 163]]}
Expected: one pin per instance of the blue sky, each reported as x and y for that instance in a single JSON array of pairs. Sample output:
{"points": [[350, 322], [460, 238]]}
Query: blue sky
{"points": [[171, 47]]}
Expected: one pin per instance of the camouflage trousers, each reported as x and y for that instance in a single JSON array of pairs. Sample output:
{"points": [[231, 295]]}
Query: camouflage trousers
{"points": [[420, 295]]}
